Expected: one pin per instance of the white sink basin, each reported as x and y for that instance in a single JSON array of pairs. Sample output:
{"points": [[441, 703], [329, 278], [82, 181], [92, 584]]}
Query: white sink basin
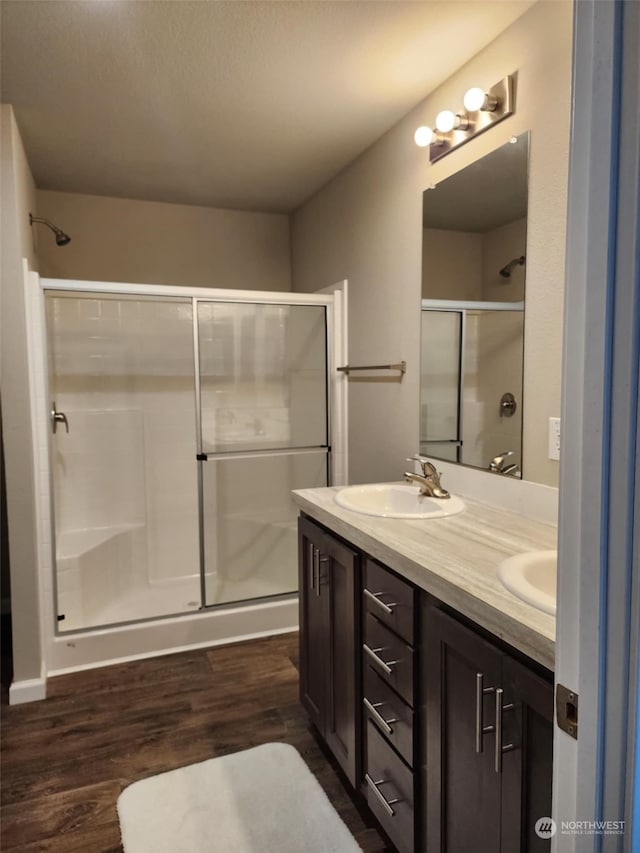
{"points": [[396, 500], [532, 577]]}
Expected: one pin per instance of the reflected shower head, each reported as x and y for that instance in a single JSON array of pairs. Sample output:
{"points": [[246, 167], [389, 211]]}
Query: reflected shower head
{"points": [[61, 238], [505, 272]]}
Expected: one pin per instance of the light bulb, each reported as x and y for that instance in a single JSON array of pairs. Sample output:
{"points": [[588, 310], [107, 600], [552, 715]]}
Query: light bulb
{"points": [[474, 99], [445, 121], [423, 136]]}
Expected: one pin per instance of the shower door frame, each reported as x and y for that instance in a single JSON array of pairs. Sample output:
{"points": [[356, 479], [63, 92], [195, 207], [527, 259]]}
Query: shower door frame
{"points": [[203, 455], [333, 299]]}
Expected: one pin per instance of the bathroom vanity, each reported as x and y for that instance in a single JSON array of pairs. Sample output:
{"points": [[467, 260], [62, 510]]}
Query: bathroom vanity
{"points": [[431, 684]]}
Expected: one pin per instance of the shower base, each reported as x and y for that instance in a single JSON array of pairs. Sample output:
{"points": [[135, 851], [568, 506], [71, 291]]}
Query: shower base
{"points": [[228, 623], [97, 586], [113, 613]]}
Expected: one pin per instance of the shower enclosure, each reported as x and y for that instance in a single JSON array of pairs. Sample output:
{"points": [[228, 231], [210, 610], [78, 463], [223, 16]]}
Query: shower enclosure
{"points": [[178, 427], [471, 354]]}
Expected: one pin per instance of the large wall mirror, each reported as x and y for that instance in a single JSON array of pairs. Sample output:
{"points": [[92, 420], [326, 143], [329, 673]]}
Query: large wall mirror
{"points": [[473, 285]]}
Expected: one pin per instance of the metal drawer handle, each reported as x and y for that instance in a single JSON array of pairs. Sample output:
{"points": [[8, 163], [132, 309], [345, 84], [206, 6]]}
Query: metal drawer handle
{"points": [[384, 802], [372, 708], [385, 666], [500, 749], [481, 692], [374, 596]]}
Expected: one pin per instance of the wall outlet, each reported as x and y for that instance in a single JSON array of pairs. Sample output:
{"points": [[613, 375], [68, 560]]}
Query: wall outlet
{"points": [[554, 438]]}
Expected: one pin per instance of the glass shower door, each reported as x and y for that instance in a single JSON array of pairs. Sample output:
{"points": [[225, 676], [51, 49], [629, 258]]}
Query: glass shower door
{"points": [[121, 373], [263, 432]]}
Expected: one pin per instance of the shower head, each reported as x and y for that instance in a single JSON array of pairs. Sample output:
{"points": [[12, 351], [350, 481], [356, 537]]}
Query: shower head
{"points": [[61, 238], [505, 272]]}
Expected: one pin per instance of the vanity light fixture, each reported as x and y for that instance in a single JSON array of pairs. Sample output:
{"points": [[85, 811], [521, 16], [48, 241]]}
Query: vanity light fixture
{"points": [[446, 121], [477, 99], [423, 136], [482, 108]]}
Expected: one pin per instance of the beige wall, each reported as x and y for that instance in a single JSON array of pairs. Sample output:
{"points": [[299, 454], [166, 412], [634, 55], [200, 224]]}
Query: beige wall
{"points": [[498, 248], [366, 225], [451, 264], [116, 239], [18, 199]]}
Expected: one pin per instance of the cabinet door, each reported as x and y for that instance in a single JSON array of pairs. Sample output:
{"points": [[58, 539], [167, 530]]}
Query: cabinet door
{"points": [[313, 621], [527, 768], [339, 581], [462, 788]]}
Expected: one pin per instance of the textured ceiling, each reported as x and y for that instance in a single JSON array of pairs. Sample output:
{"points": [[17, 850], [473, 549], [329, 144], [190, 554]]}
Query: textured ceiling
{"points": [[248, 105]]}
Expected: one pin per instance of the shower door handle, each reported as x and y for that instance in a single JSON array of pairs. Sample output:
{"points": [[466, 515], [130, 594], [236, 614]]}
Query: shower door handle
{"points": [[58, 418]]}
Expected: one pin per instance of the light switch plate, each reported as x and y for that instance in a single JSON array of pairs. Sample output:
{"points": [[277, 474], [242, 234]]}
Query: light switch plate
{"points": [[554, 438]]}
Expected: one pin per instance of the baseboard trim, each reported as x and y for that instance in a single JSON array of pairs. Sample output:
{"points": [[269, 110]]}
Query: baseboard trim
{"points": [[29, 690]]}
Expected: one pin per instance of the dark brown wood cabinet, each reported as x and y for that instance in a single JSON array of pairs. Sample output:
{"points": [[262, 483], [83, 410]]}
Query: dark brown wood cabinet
{"points": [[487, 750], [408, 696], [389, 665], [329, 579]]}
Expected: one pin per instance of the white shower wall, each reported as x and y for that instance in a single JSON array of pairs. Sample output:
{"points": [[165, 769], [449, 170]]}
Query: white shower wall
{"points": [[492, 366]]}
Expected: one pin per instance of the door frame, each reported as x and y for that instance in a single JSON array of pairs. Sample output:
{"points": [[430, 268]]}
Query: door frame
{"points": [[598, 617]]}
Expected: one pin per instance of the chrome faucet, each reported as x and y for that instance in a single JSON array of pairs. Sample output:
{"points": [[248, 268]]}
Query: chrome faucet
{"points": [[429, 480], [497, 464]]}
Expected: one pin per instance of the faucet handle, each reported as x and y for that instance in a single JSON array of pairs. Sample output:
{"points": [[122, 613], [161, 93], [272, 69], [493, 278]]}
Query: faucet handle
{"points": [[428, 468], [497, 462], [425, 465]]}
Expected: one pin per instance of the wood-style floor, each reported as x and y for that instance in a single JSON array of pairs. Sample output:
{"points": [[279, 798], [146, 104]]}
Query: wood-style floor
{"points": [[65, 760]]}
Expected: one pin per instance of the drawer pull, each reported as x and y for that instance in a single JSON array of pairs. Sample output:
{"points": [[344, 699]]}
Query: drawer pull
{"points": [[481, 692], [384, 802], [372, 708], [385, 666], [374, 596]]}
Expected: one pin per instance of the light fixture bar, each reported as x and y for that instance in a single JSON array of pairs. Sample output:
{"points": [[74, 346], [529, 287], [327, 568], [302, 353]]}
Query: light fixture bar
{"points": [[502, 101]]}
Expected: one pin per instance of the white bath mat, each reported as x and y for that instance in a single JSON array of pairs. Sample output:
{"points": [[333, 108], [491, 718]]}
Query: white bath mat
{"points": [[262, 800]]}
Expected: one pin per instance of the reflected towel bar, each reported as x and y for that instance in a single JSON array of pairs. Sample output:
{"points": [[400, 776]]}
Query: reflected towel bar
{"points": [[401, 366]]}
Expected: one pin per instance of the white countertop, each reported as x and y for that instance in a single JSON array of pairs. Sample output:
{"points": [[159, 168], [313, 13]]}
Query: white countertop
{"points": [[454, 559]]}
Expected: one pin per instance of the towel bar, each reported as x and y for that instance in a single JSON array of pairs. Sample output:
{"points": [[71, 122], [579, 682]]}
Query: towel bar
{"points": [[401, 366]]}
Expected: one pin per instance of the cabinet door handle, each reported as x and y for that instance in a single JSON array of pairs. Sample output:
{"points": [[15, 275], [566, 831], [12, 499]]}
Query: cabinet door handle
{"points": [[372, 708], [481, 692], [316, 570], [323, 559], [375, 596], [385, 666], [312, 565], [500, 749], [384, 802]]}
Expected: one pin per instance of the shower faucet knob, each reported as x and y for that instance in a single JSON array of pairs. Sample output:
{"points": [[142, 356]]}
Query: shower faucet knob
{"points": [[58, 418]]}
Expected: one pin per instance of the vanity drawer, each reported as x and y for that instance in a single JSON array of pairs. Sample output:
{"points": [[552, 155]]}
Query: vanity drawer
{"points": [[387, 711], [389, 657], [389, 790], [389, 599]]}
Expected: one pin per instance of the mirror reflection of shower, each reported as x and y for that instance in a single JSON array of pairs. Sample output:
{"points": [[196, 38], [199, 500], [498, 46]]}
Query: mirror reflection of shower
{"points": [[474, 261], [506, 270]]}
